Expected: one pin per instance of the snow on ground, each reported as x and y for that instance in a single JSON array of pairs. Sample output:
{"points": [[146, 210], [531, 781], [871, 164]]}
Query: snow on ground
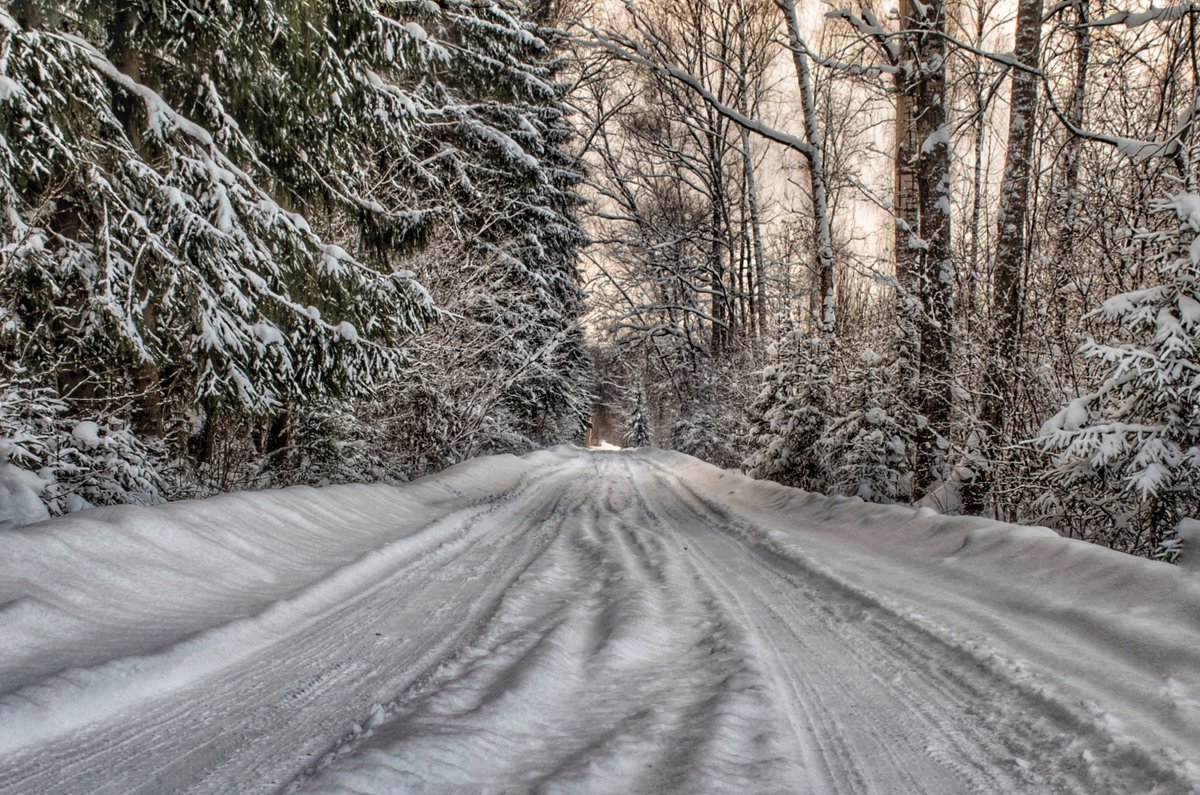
{"points": [[586, 621]]}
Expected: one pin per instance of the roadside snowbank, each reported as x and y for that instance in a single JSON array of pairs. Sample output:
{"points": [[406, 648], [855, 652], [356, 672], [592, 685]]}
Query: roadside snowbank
{"points": [[109, 606]]}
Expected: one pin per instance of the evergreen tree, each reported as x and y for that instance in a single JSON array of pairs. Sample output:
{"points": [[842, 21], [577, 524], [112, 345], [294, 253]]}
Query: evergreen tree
{"points": [[71, 464], [710, 424], [205, 210], [869, 447], [1131, 449], [502, 261], [502, 124], [153, 159], [792, 411], [638, 430]]}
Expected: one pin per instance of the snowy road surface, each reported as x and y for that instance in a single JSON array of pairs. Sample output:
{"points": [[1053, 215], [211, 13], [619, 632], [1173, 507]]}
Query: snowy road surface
{"points": [[586, 621]]}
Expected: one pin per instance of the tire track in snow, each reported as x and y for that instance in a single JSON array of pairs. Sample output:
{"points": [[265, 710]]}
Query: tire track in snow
{"points": [[597, 655], [648, 649], [250, 692], [1045, 745]]}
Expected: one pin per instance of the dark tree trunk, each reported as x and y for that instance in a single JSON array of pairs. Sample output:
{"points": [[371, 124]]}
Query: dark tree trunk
{"points": [[924, 258], [1003, 369]]}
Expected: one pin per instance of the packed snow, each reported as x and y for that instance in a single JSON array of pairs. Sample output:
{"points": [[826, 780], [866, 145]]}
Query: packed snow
{"points": [[586, 621]]}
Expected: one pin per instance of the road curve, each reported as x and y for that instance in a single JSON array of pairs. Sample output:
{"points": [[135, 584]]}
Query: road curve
{"points": [[607, 622]]}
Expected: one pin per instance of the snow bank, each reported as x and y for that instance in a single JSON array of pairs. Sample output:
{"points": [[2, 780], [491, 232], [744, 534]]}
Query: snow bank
{"points": [[20, 500], [101, 609]]}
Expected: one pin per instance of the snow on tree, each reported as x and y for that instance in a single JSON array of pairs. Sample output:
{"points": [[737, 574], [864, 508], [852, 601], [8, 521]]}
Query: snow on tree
{"points": [[504, 370], [709, 425], [1131, 448], [206, 209], [68, 463], [792, 412], [149, 218], [869, 448], [638, 430], [500, 135]]}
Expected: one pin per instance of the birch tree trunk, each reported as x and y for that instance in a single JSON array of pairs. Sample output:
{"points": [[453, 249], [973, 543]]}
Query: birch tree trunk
{"points": [[822, 229], [1069, 198], [759, 268]]}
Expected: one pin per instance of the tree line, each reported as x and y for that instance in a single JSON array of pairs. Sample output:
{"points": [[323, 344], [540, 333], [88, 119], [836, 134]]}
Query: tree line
{"points": [[934, 254], [1022, 345], [246, 244]]}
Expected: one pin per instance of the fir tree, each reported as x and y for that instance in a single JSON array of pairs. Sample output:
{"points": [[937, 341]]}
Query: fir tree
{"points": [[205, 210], [1132, 447], [509, 181], [152, 161], [710, 426], [791, 413], [638, 431], [869, 447], [533, 235]]}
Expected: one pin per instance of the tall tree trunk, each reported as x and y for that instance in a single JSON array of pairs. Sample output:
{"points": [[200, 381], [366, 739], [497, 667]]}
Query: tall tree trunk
{"points": [[716, 281], [921, 109], [906, 244], [759, 268], [1003, 369], [147, 412], [980, 136], [1068, 203], [822, 228]]}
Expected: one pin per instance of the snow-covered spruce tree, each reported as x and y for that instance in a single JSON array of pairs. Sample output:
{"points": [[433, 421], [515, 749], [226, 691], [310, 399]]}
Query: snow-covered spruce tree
{"points": [[71, 464], [534, 234], [711, 424], [869, 447], [503, 369], [638, 431], [497, 152], [791, 413], [1128, 454], [170, 174]]}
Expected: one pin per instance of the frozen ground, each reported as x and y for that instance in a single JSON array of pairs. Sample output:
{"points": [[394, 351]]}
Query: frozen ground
{"points": [[586, 621]]}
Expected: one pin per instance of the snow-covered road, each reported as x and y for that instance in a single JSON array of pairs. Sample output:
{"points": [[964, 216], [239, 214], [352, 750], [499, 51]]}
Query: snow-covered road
{"points": [[586, 621]]}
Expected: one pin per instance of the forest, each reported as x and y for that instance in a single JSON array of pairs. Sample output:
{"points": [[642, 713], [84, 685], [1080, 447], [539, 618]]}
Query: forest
{"points": [[941, 254]]}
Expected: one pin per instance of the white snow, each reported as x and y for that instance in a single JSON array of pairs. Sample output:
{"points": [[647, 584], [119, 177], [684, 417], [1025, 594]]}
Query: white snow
{"points": [[1188, 530], [1133, 19], [416, 31], [87, 432], [8, 88], [939, 137], [1189, 310], [20, 500], [268, 333], [1141, 150], [347, 331], [586, 621], [1187, 206]]}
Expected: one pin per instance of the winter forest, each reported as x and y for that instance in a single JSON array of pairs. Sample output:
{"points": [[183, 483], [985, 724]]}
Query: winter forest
{"points": [[940, 254]]}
